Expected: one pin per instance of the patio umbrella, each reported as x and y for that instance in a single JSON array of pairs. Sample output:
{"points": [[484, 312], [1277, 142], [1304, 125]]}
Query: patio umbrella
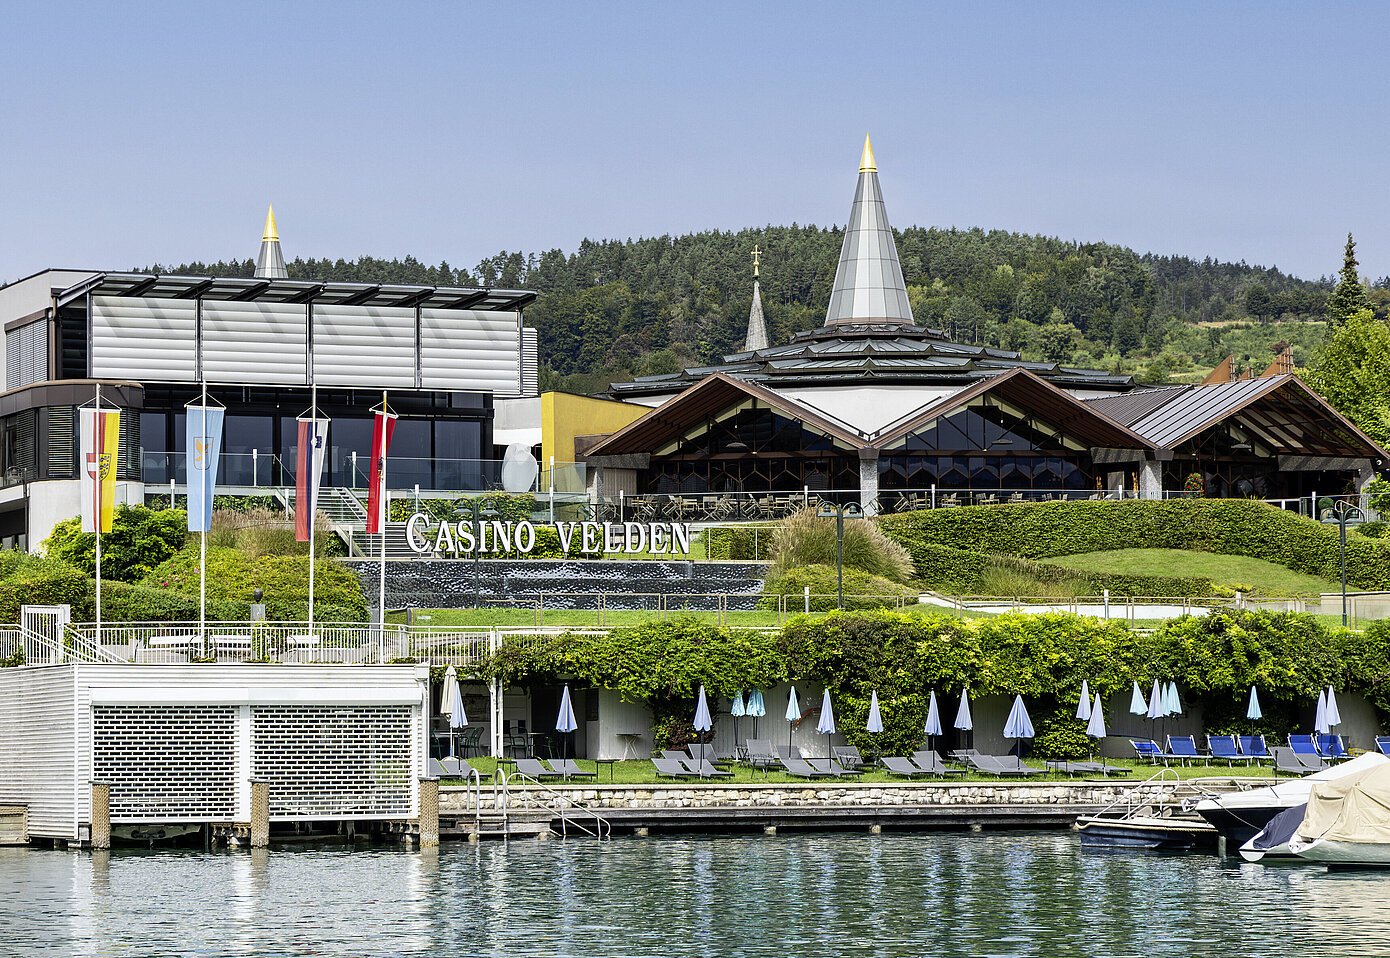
{"points": [[1155, 710], [564, 722], [703, 723], [756, 708], [1083, 704], [1174, 704], [1018, 725], [793, 714], [1320, 726], [1136, 701], [963, 720], [874, 724], [737, 710], [453, 705], [1334, 716], [826, 725], [1095, 728], [933, 726], [1252, 711]]}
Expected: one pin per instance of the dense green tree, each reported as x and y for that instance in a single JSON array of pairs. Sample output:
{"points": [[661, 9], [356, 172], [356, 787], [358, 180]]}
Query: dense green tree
{"points": [[1350, 296], [1353, 373]]}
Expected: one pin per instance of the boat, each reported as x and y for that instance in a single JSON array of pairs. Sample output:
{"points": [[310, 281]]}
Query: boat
{"points": [[1347, 822], [1143, 822], [1240, 816], [1272, 841]]}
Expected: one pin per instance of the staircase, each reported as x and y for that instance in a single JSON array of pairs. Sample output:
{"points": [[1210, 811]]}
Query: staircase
{"points": [[342, 508], [368, 545]]}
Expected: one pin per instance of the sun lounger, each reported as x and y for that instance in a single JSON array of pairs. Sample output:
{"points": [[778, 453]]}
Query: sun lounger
{"points": [[832, 767], [991, 765], [671, 768], [1013, 765], [1332, 746], [1383, 743], [787, 751], [1146, 749], [1183, 748], [569, 768], [797, 766], [707, 752], [1311, 763], [760, 753], [1102, 768], [1069, 768], [1223, 749], [532, 768], [704, 768], [1303, 745], [848, 756], [898, 765], [930, 762], [454, 768], [1253, 745], [1286, 760]]}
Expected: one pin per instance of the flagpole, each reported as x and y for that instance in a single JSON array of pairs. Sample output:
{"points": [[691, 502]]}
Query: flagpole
{"points": [[205, 510], [96, 497], [309, 486], [381, 518]]}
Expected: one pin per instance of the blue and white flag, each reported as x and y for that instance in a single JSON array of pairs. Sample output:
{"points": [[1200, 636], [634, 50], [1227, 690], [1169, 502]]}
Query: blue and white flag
{"points": [[203, 445]]}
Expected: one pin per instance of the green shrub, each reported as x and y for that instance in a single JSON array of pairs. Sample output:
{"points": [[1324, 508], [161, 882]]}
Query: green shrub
{"points": [[139, 540], [734, 543], [1061, 736], [961, 572], [1373, 530], [862, 590], [1223, 526], [285, 580], [258, 532], [127, 602], [41, 580], [804, 540]]}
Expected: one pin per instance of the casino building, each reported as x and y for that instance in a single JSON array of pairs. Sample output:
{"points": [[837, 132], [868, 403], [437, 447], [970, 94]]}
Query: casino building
{"points": [[441, 355], [873, 407]]}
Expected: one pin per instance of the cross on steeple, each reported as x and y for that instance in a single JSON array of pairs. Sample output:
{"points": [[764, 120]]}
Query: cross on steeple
{"points": [[756, 253]]}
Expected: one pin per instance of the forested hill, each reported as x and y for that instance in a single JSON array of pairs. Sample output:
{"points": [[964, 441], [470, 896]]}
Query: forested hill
{"points": [[615, 309]]}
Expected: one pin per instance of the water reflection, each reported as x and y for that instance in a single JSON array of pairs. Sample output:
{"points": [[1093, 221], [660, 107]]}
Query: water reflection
{"points": [[790, 895]]}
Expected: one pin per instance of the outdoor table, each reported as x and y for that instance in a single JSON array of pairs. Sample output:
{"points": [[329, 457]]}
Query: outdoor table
{"points": [[609, 762]]}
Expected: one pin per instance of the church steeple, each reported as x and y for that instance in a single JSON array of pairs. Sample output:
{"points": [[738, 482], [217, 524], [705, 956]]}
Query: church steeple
{"points": [[869, 285], [757, 337], [270, 263]]}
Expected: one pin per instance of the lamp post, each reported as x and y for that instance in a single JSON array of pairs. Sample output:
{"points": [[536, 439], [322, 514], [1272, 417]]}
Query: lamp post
{"points": [[1341, 512], [839, 510], [477, 507]]}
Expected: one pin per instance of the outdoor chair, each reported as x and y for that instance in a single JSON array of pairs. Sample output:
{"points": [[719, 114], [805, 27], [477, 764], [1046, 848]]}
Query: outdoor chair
{"points": [[930, 762], [833, 767], [1253, 745], [1303, 745], [960, 754], [569, 768], [1311, 763], [1383, 743], [798, 767], [760, 753], [1286, 760], [671, 768], [1069, 768], [1223, 748], [1014, 765], [704, 768], [455, 768], [1332, 746], [1147, 750], [897, 765], [1184, 749], [849, 757], [787, 751], [532, 768], [1102, 768], [707, 752]]}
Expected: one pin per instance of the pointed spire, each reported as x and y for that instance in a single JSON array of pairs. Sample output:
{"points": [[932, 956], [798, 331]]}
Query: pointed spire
{"points": [[756, 337], [869, 285], [270, 263]]}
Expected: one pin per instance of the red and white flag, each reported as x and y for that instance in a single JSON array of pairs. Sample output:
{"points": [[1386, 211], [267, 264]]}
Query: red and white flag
{"points": [[376, 492], [99, 431], [308, 473]]}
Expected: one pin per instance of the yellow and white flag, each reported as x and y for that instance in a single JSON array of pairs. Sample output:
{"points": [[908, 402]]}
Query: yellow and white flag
{"points": [[99, 431]]}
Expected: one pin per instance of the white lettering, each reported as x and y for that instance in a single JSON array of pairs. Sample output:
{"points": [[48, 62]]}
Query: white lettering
{"points": [[680, 538], [524, 528], [501, 536], [610, 543], [467, 543], [591, 532], [413, 530], [566, 533], [444, 539], [637, 531], [658, 538]]}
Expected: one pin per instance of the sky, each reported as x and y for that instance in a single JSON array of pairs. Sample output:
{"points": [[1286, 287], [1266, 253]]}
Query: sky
{"points": [[134, 134]]}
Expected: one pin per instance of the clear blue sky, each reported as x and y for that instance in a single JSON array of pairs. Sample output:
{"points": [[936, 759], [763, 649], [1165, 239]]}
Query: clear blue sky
{"points": [[140, 133]]}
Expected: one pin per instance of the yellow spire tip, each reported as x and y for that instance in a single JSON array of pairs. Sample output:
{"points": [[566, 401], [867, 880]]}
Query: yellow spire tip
{"points": [[866, 162], [270, 232]]}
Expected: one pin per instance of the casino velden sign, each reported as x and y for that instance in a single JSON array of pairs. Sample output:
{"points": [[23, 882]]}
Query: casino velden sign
{"points": [[427, 535]]}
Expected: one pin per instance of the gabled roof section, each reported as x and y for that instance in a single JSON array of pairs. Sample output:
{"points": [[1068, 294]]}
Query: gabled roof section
{"points": [[706, 398], [1030, 391], [1283, 412], [1128, 408]]}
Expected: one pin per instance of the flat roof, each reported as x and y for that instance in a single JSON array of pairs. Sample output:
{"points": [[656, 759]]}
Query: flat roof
{"points": [[167, 286]]}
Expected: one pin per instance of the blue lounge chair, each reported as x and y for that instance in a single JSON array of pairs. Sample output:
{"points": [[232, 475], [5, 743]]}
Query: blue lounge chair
{"points": [[1303, 745], [1332, 746], [1184, 749], [1383, 743], [1223, 747], [1147, 750], [1253, 745]]}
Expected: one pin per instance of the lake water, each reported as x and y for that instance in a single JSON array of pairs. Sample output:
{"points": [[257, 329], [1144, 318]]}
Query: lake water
{"points": [[788, 895]]}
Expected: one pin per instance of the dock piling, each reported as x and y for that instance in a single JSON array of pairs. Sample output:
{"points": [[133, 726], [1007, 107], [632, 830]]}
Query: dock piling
{"points": [[260, 813], [429, 812], [101, 815]]}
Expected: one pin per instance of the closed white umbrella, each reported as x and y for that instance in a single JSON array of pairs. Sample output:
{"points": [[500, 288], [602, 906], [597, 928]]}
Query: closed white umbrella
{"points": [[963, 720], [826, 724], [703, 723], [1174, 702], [1137, 706], [875, 721], [452, 705], [1095, 728], [793, 714], [1083, 704], [1018, 725], [755, 708], [1320, 725], [933, 725], [1334, 718], [565, 723], [1252, 711]]}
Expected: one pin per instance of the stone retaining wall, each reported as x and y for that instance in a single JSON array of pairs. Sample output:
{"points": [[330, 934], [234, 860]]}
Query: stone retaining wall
{"points": [[712, 796]]}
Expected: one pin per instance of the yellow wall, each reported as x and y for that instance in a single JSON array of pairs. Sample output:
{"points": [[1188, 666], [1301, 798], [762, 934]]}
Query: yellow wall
{"points": [[564, 416]]}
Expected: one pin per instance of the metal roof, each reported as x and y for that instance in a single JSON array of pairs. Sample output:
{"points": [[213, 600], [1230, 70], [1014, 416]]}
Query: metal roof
{"points": [[1128, 408], [167, 286]]}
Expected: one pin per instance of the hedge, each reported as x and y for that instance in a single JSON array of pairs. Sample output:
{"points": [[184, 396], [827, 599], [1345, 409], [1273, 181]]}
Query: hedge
{"points": [[1224, 526], [732, 543], [960, 572]]}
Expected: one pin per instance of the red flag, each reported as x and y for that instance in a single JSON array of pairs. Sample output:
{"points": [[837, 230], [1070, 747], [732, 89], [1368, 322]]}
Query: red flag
{"points": [[381, 445]]}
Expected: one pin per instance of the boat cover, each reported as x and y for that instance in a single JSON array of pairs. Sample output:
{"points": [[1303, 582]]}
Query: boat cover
{"points": [[1354, 808], [1280, 829]]}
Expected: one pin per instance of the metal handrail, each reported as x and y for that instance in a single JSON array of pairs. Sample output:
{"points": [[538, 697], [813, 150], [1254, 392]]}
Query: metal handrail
{"points": [[1128, 796], [602, 828]]}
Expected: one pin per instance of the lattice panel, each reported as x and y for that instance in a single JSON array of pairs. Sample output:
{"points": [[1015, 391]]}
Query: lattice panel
{"points": [[166, 762], [334, 762]]}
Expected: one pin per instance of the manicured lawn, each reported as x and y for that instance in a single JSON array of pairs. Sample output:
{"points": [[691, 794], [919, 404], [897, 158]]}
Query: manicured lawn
{"points": [[639, 772], [1268, 578]]}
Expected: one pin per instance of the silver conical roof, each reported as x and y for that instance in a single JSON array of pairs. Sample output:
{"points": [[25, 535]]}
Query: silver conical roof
{"points": [[869, 285], [270, 262], [757, 337]]}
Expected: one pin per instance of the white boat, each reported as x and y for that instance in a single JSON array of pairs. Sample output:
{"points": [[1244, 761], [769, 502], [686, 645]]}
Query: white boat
{"points": [[1239, 816], [1347, 821]]}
